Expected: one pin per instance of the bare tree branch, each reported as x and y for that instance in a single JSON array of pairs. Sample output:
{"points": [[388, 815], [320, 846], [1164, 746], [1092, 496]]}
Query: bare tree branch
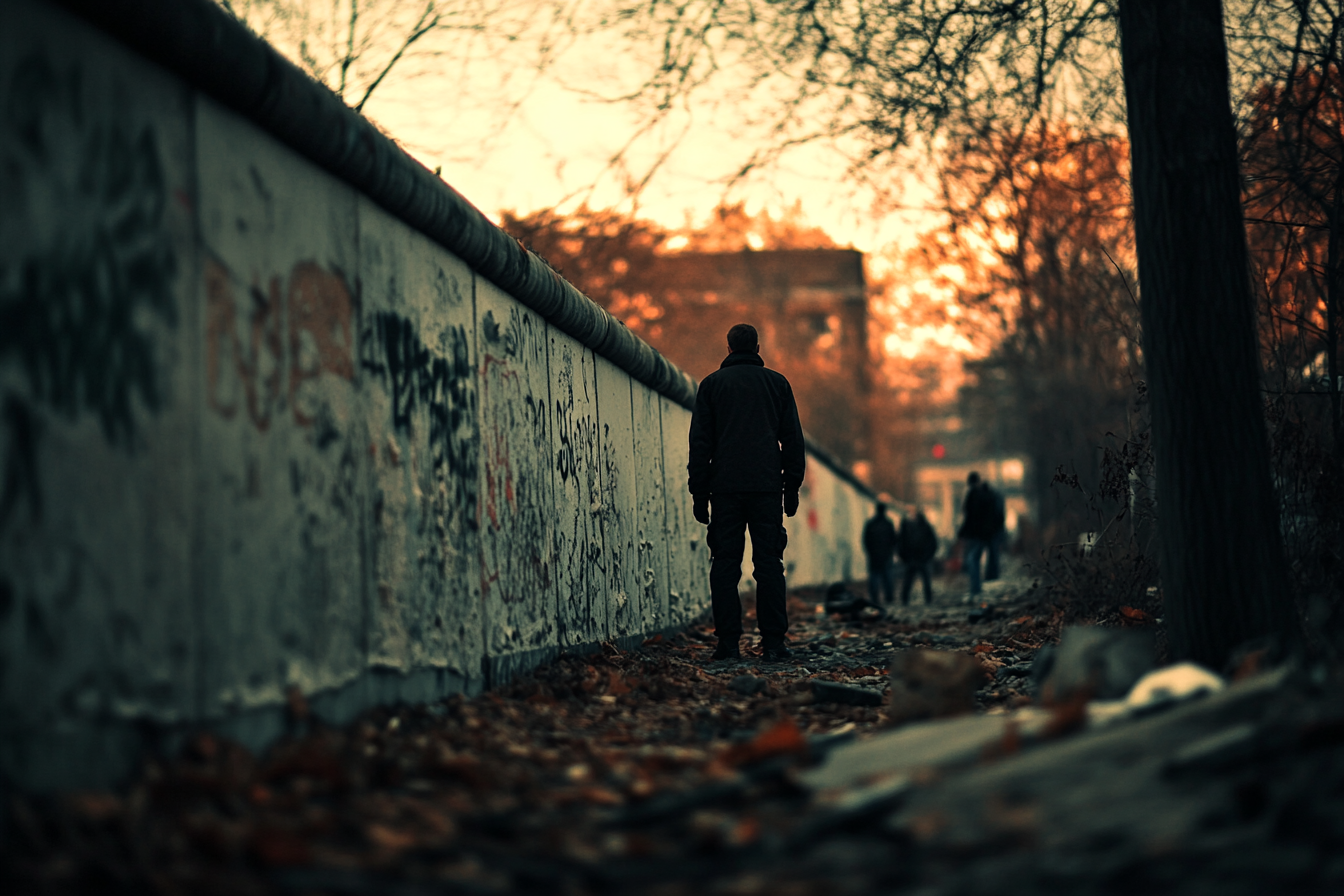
{"points": [[428, 21]]}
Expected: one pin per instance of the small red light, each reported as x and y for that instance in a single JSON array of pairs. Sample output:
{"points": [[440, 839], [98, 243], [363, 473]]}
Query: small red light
{"points": [[939, 452]]}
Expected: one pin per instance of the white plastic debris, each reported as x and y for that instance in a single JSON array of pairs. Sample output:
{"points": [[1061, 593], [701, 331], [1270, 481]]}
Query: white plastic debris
{"points": [[1173, 684]]}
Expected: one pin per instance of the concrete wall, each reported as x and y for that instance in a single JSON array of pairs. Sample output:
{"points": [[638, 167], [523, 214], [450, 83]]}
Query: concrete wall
{"points": [[259, 435]]}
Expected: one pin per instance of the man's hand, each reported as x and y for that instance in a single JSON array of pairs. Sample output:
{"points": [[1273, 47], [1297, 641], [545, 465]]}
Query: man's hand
{"points": [[701, 510], [790, 503]]}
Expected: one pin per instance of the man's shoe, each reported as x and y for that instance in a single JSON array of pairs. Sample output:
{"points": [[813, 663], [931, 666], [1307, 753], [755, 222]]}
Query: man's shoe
{"points": [[776, 652], [727, 650]]}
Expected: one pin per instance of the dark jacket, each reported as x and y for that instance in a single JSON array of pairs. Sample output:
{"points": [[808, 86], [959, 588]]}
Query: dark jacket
{"points": [[879, 539], [918, 542], [983, 514], [745, 434]]}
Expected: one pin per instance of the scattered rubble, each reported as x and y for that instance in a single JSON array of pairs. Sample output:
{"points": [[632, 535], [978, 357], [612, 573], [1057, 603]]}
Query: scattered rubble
{"points": [[657, 771], [848, 694], [931, 684], [1092, 661]]}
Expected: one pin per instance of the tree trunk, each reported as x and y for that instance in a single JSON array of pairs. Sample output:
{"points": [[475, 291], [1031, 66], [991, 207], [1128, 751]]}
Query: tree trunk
{"points": [[1334, 296], [1224, 578]]}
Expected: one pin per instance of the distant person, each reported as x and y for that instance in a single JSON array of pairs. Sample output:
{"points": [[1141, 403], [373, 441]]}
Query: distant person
{"points": [[981, 528], [879, 543], [998, 542], [747, 463], [917, 544]]}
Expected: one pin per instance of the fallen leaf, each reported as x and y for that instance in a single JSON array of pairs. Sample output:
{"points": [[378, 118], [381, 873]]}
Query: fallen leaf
{"points": [[744, 832], [1135, 614], [95, 806], [601, 796], [278, 848], [1067, 718], [296, 704], [781, 739], [1251, 664], [388, 839], [616, 684], [1008, 745]]}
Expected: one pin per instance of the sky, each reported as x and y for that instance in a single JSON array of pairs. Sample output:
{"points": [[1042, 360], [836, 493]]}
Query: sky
{"points": [[471, 101], [507, 138]]}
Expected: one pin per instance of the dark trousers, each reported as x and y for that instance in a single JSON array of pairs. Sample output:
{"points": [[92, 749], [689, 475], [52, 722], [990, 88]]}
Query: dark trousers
{"points": [[975, 549], [992, 558], [730, 515], [881, 577], [910, 571]]}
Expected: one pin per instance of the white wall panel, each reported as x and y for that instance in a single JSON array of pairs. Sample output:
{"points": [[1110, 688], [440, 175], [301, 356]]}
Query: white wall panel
{"points": [[517, 516], [581, 579], [618, 516], [98, 388], [651, 569], [688, 555], [420, 401], [283, 448]]}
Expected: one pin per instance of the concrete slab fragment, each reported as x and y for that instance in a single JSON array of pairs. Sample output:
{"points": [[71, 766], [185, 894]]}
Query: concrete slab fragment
{"points": [[938, 744], [517, 517], [651, 569], [688, 556], [419, 408], [581, 578], [281, 585], [619, 472], [98, 397], [1097, 661]]}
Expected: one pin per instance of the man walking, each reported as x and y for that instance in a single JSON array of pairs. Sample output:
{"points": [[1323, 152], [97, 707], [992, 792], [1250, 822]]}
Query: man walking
{"points": [[747, 463], [879, 542], [917, 544], [981, 526]]}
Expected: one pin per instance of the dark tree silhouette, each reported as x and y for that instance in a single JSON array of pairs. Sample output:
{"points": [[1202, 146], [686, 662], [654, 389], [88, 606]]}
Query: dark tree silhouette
{"points": [[1224, 578], [1294, 167]]}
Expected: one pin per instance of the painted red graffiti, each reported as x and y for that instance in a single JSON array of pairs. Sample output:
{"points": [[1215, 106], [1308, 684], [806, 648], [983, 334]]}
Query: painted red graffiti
{"points": [[498, 467], [251, 359], [514, 565], [321, 331]]}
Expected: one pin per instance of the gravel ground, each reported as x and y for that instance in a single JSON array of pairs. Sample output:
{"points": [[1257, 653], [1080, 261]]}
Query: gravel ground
{"points": [[657, 771]]}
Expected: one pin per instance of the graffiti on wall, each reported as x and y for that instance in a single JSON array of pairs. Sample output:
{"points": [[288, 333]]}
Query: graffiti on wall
{"points": [[86, 281], [516, 504], [437, 383], [266, 353], [420, 396], [617, 529], [579, 540]]}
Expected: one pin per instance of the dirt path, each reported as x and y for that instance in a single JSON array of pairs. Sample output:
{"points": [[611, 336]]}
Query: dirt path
{"points": [[650, 771]]}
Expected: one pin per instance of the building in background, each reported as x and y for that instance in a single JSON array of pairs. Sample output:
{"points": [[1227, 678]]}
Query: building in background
{"points": [[810, 307]]}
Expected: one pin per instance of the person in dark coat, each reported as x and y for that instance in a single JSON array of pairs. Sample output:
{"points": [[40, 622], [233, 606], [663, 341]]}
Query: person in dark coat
{"points": [[879, 543], [747, 463], [981, 527], [917, 544]]}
